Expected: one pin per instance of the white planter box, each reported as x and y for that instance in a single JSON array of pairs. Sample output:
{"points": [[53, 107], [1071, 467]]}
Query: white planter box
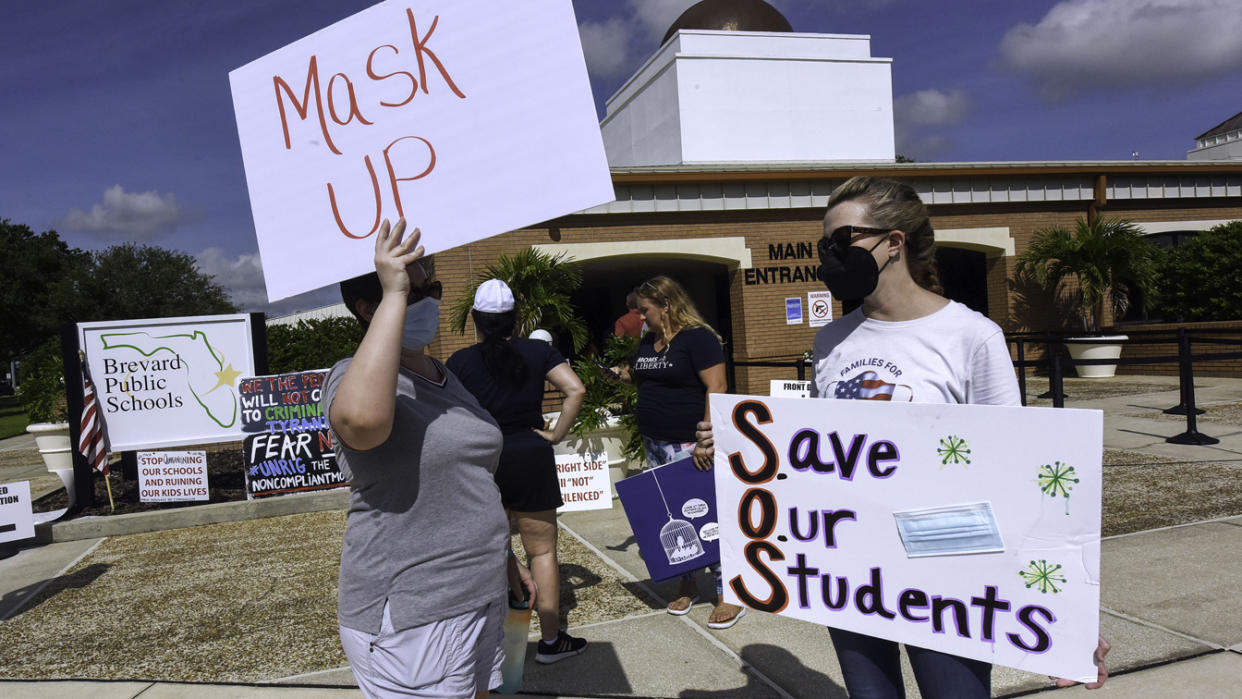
{"points": [[1099, 347], [52, 439]]}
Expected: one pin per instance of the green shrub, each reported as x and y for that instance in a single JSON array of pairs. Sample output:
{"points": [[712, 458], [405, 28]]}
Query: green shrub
{"points": [[41, 383], [1199, 280], [311, 344], [606, 397]]}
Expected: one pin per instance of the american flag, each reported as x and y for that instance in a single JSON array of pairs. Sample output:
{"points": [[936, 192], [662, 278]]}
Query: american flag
{"points": [[865, 386], [92, 438]]}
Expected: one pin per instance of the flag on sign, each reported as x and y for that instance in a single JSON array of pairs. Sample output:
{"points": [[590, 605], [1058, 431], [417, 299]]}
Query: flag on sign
{"points": [[92, 438], [869, 386]]}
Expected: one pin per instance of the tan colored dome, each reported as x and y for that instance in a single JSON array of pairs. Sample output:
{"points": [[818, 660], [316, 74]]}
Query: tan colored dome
{"points": [[731, 15]]}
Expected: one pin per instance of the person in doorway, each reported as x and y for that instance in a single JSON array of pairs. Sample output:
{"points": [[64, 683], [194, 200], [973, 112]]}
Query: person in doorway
{"points": [[877, 250], [678, 363], [422, 602], [631, 324], [507, 375]]}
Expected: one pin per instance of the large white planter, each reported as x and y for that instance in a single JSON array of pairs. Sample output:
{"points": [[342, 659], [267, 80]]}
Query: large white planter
{"points": [[1098, 347], [52, 439]]}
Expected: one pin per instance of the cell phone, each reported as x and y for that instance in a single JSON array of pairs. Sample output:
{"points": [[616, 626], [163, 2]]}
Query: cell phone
{"points": [[606, 369]]}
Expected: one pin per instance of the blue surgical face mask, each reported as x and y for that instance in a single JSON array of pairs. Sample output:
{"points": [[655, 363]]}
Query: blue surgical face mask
{"points": [[422, 320], [948, 531]]}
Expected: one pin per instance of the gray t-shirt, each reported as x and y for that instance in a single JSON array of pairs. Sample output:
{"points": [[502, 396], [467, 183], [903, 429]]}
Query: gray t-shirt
{"points": [[426, 531]]}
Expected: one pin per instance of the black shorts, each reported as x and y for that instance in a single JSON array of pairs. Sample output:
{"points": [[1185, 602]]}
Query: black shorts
{"points": [[527, 474]]}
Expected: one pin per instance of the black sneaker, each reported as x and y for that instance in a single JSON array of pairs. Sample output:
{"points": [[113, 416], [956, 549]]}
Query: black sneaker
{"points": [[565, 646]]}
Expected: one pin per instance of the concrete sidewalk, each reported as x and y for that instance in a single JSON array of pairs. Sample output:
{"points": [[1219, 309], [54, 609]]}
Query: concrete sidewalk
{"points": [[1169, 601]]}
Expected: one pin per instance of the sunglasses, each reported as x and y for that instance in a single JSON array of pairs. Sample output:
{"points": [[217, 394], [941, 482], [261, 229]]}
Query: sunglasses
{"points": [[429, 290], [843, 237]]}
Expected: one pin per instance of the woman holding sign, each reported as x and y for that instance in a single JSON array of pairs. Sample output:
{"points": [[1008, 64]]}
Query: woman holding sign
{"points": [[678, 363], [904, 342], [423, 568], [507, 374]]}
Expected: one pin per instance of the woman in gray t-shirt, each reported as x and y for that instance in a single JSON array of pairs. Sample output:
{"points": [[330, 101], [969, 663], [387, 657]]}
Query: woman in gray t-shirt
{"points": [[423, 568]]}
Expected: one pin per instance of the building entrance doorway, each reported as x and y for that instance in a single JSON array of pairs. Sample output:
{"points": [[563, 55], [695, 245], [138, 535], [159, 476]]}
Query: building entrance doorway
{"points": [[964, 276], [606, 281]]}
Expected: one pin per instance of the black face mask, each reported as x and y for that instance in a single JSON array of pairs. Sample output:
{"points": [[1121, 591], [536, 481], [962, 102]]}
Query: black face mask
{"points": [[850, 274]]}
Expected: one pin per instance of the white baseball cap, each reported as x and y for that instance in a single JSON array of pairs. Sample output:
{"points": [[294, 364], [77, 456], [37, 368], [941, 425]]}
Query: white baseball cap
{"points": [[541, 334], [493, 296]]}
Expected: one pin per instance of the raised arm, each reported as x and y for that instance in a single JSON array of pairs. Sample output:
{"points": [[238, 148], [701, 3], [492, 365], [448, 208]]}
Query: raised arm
{"points": [[362, 410]]}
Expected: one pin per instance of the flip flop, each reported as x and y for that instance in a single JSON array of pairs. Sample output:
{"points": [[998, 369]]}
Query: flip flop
{"points": [[683, 612], [727, 622]]}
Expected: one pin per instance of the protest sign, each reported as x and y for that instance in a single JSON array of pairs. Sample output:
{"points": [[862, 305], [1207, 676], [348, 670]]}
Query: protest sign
{"points": [[584, 481], [468, 117], [168, 382], [289, 449], [973, 530], [672, 511], [16, 515], [172, 476]]}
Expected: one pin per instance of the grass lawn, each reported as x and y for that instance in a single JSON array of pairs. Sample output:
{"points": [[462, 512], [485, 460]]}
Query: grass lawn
{"points": [[12, 417]]}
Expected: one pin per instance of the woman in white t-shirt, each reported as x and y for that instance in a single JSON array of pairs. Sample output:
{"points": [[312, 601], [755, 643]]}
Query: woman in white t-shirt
{"points": [[902, 341]]}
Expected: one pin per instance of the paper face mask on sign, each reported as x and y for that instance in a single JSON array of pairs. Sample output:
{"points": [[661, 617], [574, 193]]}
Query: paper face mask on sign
{"points": [[949, 531]]}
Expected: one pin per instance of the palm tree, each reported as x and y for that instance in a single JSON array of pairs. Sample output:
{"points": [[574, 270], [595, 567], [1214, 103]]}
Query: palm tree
{"points": [[1109, 258], [541, 285]]}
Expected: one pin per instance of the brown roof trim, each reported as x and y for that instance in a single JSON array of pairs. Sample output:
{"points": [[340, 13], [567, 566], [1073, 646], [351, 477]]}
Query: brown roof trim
{"points": [[817, 171]]}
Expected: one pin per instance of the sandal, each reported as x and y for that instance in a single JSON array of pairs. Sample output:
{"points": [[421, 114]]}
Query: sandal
{"points": [[682, 612], [741, 612]]}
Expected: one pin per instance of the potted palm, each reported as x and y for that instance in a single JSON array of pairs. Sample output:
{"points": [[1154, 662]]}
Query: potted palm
{"points": [[1109, 260]]}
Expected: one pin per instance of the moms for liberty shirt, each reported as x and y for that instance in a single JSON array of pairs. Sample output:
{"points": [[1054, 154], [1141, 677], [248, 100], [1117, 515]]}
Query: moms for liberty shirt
{"points": [[671, 397]]}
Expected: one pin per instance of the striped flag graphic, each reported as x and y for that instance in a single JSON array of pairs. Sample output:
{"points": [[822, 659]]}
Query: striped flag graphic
{"points": [[92, 438], [866, 386]]}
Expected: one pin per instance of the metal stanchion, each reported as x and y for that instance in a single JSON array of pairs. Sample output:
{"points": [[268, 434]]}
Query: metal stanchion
{"points": [[1185, 375], [1057, 392], [1056, 383], [1021, 369], [1191, 435]]}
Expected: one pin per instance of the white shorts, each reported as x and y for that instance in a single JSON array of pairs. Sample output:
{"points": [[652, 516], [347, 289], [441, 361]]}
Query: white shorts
{"points": [[455, 657]]}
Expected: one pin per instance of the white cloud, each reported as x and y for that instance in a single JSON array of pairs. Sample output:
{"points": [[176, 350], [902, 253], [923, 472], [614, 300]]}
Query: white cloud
{"points": [[1082, 45], [605, 46], [130, 216], [656, 16], [241, 276], [932, 107]]}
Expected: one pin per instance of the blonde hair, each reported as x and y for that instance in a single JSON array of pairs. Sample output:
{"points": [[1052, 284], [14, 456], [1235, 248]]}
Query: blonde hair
{"points": [[663, 291], [896, 206]]}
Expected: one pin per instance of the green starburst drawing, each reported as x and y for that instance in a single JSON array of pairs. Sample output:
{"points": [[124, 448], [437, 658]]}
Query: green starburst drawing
{"points": [[1044, 575], [1057, 479], [953, 449]]}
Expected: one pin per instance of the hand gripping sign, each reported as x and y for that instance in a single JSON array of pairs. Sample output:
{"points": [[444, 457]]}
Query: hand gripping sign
{"points": [[973, 530]]}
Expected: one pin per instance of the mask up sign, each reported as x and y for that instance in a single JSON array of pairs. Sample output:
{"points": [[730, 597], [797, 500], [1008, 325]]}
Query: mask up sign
{"points": [[973, 530], [467, 117]]}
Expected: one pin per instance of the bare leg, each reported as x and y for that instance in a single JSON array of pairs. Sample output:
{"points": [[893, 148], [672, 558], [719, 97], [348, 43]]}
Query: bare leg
{"points": [[538, 532]]}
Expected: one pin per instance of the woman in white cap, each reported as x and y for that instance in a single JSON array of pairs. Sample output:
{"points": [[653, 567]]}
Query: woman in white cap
{"points": [[421, 605], [507, 376]]}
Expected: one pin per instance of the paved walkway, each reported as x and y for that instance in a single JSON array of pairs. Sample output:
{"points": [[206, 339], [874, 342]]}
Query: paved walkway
{"points": [[1169, 599]]}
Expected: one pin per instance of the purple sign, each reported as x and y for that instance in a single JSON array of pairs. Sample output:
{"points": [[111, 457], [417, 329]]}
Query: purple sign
{"points": [[672, 510]]}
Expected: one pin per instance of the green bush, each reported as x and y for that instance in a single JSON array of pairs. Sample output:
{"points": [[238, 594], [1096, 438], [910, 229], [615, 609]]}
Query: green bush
{"points": [[1199, 280], [41, 383], [606, 397], [311, 344]]}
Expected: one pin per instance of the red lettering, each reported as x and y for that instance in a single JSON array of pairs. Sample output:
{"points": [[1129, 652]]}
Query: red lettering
{"points": [[303, 108], [336, 212], [420, 48], [392, 173], [371, 74], [353, 101]]}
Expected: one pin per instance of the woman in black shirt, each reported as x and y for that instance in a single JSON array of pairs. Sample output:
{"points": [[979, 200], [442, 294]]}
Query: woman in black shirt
{"points": [[506, 374], [677, 364]]}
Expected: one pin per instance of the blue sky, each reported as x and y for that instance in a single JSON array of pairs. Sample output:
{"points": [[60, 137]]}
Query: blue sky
{"points": [[117, 123]]}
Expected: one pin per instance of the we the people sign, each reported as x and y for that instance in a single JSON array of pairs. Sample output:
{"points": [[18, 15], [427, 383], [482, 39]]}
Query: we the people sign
{"points": [[973, 530], [467, 117]]}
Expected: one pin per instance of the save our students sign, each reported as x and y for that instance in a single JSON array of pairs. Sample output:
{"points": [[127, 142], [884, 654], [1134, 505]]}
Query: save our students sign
{"points": [[972, 530], [467, 117]]}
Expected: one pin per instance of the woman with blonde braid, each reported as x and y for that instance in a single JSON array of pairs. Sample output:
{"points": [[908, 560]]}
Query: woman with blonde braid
{"points": [[678, 363]]}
